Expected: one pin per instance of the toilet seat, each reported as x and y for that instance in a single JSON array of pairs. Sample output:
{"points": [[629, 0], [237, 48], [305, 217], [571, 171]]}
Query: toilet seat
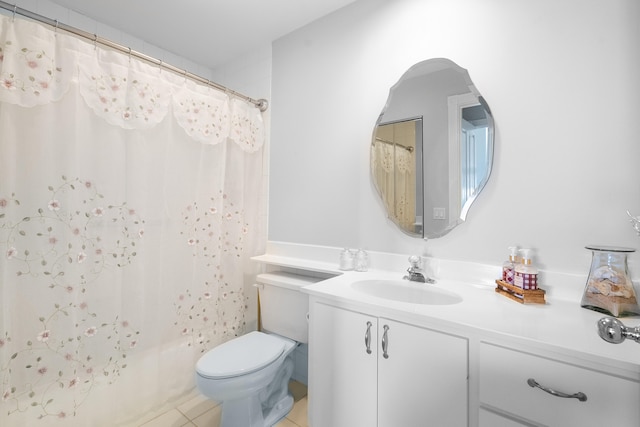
{"points": [[240, 356]]}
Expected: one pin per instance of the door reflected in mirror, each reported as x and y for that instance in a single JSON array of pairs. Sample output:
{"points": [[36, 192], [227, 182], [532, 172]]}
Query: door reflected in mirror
{"points": [[432, 148], [474, 151]]}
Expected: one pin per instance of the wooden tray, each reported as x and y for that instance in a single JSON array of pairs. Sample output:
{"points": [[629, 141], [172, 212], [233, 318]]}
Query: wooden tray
{"points": [[534, 296]]}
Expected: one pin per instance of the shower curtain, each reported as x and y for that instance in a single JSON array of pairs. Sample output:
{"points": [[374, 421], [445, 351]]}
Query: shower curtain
{"points": [[394, 174], [129, 208]]}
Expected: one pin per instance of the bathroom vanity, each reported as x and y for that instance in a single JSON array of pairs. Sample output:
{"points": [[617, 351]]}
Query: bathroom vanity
{"points": [[425, 371], [481, 360], [368, 370]]}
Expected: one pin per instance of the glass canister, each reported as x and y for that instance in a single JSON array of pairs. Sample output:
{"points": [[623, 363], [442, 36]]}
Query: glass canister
{"points": [[362, 260], [346, 260], [609, 288]]}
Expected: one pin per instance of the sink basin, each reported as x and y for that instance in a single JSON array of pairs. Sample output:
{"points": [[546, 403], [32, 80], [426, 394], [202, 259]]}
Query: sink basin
{"points": [[406, 291]]}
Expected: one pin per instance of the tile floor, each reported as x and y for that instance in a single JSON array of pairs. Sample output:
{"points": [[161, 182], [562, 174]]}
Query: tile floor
{"points": [[198, 411]]}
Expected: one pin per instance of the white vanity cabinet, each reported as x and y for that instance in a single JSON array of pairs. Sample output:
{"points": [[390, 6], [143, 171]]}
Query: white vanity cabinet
{"points": [[507, 399], [418, 378], [462, 364]]}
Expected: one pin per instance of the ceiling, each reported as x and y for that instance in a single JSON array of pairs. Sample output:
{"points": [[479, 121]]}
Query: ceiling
{"points": [[208, 32]]}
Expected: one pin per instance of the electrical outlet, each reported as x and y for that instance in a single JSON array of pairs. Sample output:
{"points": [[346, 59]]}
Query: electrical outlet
{"points": [[439, 213]]}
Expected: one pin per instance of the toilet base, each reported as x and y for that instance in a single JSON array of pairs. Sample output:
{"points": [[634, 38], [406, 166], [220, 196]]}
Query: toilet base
{"points": [[263, 409], [279, 411], [242, 412], [248, 412]]}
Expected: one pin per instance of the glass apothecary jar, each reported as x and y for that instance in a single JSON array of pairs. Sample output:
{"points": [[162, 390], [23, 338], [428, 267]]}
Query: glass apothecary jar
{"points": [[609, 288]]}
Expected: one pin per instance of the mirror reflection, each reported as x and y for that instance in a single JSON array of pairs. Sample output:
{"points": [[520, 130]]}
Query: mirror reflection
{"points": [[397, 174], [432, 148]]}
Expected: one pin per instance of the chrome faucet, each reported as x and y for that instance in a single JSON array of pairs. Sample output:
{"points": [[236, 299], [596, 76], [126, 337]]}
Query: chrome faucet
{"points": [[415, 272]]}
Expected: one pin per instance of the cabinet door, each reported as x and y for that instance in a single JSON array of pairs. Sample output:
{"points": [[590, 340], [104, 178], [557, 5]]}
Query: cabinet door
{"points": [[342, 375], [423, 380]]}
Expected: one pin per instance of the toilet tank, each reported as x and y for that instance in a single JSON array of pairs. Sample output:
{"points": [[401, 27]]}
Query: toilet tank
{"points": [[283, 306]]}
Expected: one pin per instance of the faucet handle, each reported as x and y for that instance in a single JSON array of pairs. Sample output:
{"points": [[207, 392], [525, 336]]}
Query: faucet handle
{"points": [[614, 331], [415, 271], [414, 261]]}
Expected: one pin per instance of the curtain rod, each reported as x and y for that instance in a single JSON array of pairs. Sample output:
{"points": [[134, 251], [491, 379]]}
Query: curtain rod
{"points": [[262, 104], [396, 144]]}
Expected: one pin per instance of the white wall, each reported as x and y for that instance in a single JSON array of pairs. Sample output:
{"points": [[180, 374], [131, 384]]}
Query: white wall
{"points": [[561, 78]]}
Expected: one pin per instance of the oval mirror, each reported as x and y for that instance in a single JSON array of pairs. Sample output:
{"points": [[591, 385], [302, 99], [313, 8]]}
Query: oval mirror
{"points": [[432, 148]]}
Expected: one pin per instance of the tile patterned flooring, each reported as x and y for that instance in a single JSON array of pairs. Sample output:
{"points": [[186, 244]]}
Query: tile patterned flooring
{"points": [[199, 411]]}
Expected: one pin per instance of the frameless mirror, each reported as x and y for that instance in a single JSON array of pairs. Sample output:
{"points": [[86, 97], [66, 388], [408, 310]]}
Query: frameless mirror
{"points": [[432, 148]]}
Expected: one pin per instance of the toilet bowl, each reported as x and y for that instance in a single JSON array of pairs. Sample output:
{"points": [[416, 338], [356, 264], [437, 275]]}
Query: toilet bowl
{"points": [[250, 374]]}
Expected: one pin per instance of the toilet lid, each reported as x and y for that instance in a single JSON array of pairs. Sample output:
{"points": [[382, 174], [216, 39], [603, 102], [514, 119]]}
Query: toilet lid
{"points": [[240, 356]]}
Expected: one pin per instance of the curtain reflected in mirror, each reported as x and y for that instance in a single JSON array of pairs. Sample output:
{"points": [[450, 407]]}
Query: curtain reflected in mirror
{"points": [[398, 173]]}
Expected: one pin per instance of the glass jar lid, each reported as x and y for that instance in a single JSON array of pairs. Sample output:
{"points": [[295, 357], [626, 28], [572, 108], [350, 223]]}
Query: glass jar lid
{"points": [[609, 248]]}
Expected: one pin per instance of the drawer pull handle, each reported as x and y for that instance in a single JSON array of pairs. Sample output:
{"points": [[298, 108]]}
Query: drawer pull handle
{"points": [[385, 342], [367, 338], [580, 396]]}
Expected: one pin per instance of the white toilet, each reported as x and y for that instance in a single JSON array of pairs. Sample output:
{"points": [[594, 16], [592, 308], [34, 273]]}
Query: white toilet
{"points": [[250, 374]]}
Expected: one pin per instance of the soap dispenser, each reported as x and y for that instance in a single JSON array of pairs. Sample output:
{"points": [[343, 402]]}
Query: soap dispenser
{"points": [[526, 274], [508, 268]]}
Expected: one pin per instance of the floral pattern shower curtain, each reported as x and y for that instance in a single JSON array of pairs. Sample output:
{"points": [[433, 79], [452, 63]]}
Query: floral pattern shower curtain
{"points": [[394, 172], [129, 207]]}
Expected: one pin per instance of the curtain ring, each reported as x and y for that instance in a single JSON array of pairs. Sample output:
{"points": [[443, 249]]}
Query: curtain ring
{"points": [[15, 9], [95, 41], [55, 30], [160, 65]]}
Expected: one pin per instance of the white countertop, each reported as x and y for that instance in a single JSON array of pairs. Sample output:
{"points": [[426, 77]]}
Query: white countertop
{"points": [[560, 328]]}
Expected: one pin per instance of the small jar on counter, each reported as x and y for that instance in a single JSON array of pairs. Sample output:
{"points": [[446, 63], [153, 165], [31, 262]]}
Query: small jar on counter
{"points": [[346, 260], [362, 260]]}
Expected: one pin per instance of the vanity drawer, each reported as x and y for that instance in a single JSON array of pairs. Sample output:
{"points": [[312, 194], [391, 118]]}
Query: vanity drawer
{"points": [[504, 373]]}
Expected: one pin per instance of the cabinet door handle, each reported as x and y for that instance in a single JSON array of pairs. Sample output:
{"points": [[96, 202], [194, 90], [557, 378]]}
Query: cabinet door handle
{"points": [[385, 342], [367, 338], [580, 396]]}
